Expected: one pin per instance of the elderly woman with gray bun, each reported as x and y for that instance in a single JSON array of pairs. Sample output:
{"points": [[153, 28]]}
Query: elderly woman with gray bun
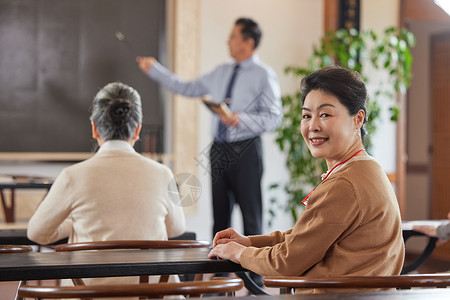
{"points": [[117, 194], [116, 114]]}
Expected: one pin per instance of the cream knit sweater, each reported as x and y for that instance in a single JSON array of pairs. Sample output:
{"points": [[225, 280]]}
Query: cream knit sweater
{"points": [[117, 194]]}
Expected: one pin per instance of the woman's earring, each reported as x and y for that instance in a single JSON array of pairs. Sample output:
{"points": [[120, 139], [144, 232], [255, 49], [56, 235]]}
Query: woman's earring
{"points": [[358, 131]]}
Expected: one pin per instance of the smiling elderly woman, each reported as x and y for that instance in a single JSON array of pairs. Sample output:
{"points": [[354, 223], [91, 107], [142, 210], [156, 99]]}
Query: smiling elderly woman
{"points": [[351, 224]]}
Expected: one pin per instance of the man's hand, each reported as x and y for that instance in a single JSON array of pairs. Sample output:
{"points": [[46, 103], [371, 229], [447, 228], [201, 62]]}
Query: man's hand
{"points": [[232, 120], [145, 63]]}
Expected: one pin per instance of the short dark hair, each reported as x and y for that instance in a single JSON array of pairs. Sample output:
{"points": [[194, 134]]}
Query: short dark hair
{"points": [[116, 111], [344, 84], [250, 30]]}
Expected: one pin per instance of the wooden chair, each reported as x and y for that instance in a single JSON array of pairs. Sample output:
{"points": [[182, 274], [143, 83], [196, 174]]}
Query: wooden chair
{"points": [[15, 248], [133, 244], [153, 290], [289, 284], [426, 253], [7, 249]]}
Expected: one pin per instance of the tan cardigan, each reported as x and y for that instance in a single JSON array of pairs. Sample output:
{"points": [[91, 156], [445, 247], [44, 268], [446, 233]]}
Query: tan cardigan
{"points": [[351, 226]]}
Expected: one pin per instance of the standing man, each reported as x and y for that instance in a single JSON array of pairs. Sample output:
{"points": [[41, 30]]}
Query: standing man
{"points": [[252, 92]]}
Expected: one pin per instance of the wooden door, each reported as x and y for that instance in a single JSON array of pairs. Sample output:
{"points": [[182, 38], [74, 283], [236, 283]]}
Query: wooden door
{"points": [[440, 76]]}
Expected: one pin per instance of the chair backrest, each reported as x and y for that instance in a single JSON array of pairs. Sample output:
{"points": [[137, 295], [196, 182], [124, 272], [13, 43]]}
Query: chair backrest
{"points": [[345, 282], [191, 288], [15, 248], [132, 244]]}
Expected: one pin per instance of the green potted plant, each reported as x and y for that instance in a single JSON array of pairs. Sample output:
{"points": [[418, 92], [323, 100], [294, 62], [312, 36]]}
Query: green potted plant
{"points": [[357, 51]]}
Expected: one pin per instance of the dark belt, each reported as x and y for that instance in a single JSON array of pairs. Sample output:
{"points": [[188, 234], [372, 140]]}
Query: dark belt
{"points": [[238, 143]]}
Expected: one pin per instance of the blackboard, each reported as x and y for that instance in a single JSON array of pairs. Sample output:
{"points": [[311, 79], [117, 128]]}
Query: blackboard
{"points": [[54, 57]]}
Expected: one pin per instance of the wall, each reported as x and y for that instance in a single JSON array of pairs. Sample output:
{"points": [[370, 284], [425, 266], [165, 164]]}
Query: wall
{"points": [[419, 122], [384, 145]]}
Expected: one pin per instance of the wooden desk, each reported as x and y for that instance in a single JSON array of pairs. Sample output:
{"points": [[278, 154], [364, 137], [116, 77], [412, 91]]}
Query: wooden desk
{"points": [[19, 237], [40, 183], [88, 264], [85, 264], [12, 235], [16, 234]]}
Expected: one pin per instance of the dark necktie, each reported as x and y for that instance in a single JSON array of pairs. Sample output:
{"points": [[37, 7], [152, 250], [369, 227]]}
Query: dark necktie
{"points": [[222, 129]]}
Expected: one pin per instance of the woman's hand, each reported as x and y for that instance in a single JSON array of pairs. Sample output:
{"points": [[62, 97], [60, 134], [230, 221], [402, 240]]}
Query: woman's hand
{"points": [[229, 244], [231, 251], [230, 235]]}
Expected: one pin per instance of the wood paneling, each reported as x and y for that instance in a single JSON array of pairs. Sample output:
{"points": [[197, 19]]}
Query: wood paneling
{"points": [[331, 15], [423, 10], [401, 157], [440, 66]]}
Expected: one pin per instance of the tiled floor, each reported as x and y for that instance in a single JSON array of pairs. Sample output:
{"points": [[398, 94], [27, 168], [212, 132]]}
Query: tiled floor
{"points": [[8, 290]]}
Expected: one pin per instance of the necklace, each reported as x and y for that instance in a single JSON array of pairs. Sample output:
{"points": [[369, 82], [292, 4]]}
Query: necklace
{"points": [[305, 201]]}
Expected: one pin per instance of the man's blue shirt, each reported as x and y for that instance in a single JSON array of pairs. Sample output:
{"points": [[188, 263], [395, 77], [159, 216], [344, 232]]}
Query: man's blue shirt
{"points": [[255, 95]]}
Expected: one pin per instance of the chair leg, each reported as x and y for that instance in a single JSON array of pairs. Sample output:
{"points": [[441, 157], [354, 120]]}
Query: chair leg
{"points": [[199, 277], [143, 279], [78, 281], [287, 291], [21, 283]]}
